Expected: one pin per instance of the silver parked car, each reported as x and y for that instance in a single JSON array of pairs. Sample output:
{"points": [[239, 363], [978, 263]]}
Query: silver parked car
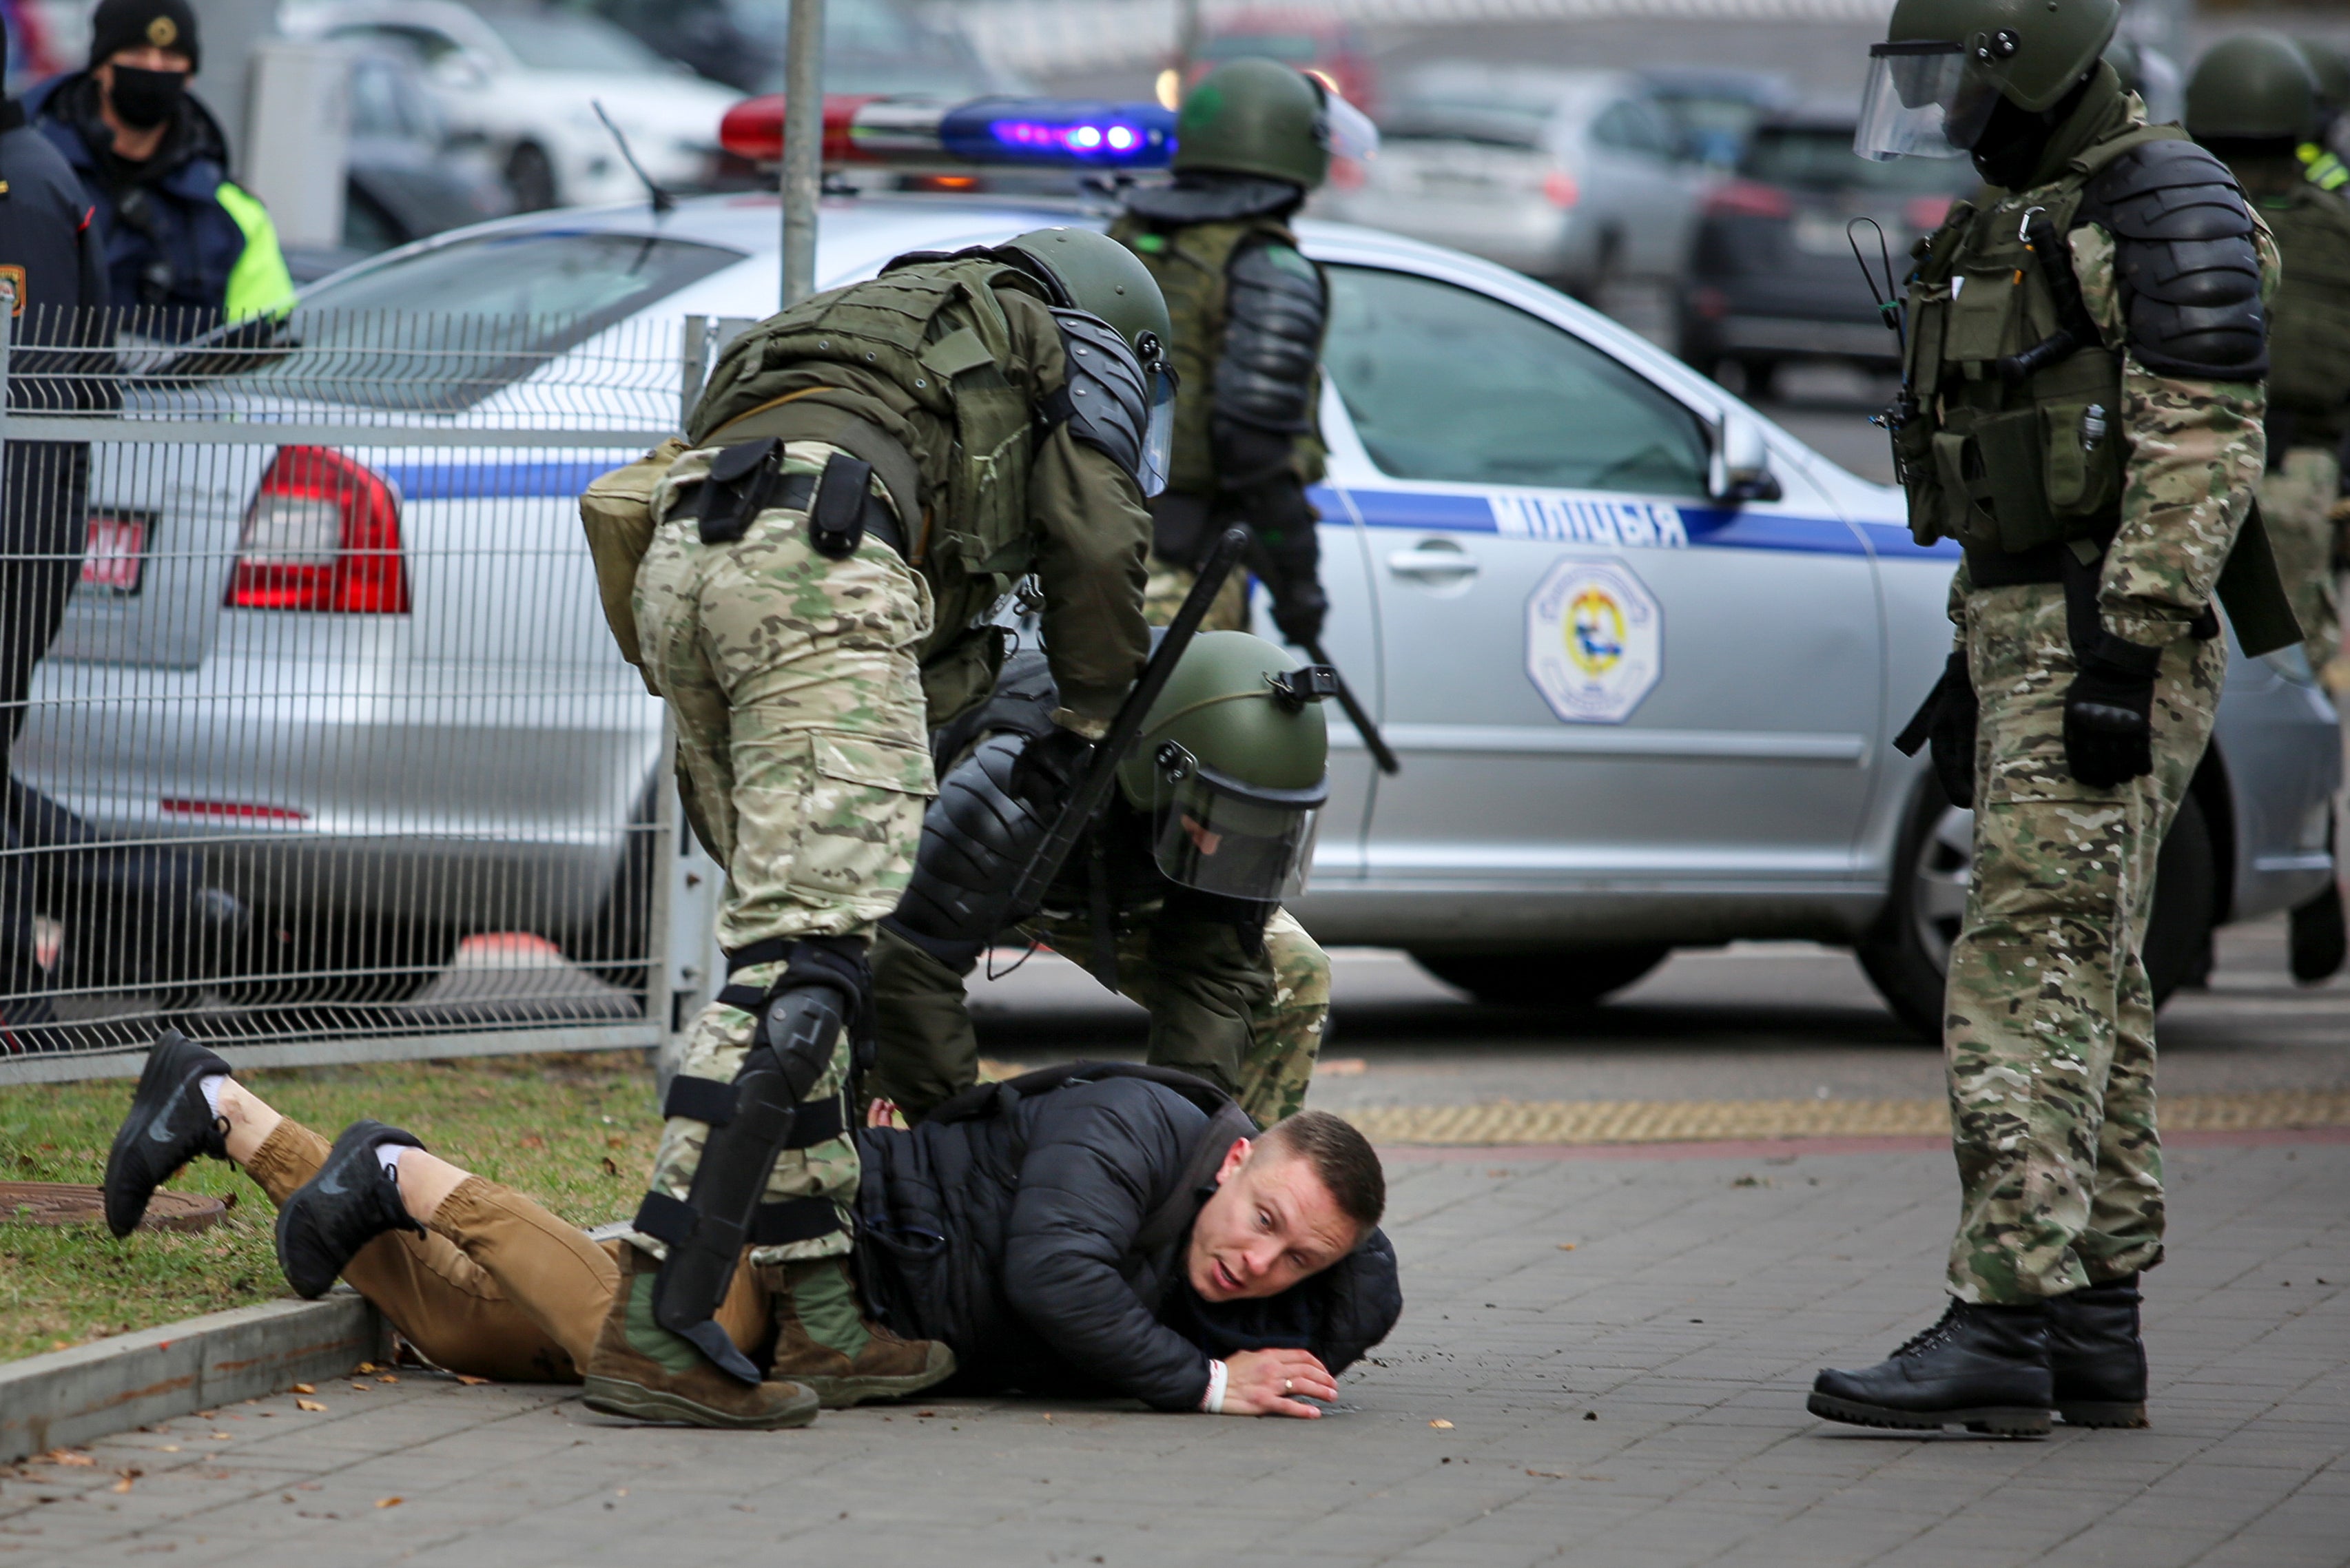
{"points": [[1573, 177], [1640, 650]]}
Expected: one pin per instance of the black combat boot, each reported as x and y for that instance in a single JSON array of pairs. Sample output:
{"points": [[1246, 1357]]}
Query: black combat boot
{"points": [[349, 1202], [1984, 1367], [2096, 1357], [170, 1124]]}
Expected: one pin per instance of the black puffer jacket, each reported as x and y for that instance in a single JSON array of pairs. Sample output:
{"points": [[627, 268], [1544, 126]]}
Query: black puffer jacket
{"points": [[1017, 1236]]}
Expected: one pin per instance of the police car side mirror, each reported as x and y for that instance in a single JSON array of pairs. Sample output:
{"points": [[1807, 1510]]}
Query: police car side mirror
{"points": [[1740, 470]]}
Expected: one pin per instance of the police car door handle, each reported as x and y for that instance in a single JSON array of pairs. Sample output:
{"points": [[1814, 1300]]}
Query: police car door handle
{"points": [[1433, 558]]}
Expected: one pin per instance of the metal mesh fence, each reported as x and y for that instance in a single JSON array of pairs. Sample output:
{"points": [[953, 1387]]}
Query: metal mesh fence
{"points": [[313, 730]]}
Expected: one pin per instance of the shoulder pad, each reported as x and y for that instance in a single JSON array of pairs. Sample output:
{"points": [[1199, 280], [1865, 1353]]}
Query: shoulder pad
{"points": [[2189, 271], [1276, 310], [1022, 703], [1106, 400]]}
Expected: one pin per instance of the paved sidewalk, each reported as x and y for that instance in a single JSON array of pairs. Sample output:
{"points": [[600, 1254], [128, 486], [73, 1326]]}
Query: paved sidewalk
{"points": [[1636, 1400]]}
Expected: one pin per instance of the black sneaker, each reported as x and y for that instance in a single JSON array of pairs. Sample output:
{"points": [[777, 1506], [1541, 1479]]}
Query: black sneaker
{"points": [[169, 1125], [350, 1202], [2095, 1357], [1981, 1367]]}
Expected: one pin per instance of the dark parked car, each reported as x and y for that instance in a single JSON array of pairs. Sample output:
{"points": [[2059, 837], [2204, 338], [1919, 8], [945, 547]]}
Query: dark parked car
{"points": [[1771, 274]]}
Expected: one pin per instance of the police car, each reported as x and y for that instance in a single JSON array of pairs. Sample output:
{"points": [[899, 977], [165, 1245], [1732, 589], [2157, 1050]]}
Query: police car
{"points": [[1640, 651]]}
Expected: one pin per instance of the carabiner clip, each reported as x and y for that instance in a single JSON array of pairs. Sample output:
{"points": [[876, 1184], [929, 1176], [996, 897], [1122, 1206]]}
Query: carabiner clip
{"points": [[2022, 230]]}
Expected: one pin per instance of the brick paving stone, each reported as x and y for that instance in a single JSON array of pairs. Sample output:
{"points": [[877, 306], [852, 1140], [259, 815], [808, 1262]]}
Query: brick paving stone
{"points": [[1702, 1452]]}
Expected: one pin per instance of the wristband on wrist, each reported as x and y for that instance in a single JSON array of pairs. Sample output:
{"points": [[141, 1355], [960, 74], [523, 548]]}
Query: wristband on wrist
{"points": [[1214, 1401]]}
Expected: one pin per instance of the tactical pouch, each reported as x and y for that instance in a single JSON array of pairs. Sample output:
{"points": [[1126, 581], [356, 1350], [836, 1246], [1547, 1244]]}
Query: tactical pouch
{"points": [[742, 479], [616, 512], [837, 520]]}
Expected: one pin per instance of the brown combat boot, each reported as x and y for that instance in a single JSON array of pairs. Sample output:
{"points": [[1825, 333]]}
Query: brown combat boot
{"points": [[640, 1368], [824, 1339]]}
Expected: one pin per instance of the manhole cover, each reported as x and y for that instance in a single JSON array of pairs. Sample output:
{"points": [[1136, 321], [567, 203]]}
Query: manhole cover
{"points": [[73, 1203]]}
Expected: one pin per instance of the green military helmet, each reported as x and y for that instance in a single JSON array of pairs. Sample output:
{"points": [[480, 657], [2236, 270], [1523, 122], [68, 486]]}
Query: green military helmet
{"points": [[1946, 63], [2254, 86], [1232, 766], [2331, 69], [1256, 117], [1103, 278]]}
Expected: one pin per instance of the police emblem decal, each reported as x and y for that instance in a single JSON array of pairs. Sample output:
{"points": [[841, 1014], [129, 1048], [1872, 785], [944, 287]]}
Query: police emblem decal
{"points": [[162, 32], [1595, 641]]}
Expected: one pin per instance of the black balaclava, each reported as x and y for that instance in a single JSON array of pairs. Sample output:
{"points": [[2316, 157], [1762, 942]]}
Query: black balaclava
{"points": [[143, 100], [2009, 149]]}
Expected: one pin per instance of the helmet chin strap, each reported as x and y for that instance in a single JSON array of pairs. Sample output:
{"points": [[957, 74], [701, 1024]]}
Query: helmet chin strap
{"points": [[2008, 152]]}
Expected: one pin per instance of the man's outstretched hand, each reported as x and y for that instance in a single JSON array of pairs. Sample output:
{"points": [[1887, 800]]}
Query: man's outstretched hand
{"points": [[1277, 1383]]}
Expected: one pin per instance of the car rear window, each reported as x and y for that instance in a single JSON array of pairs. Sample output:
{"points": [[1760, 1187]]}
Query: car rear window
{"points": [[1493, 124], [443, 328], [1820, 158]]}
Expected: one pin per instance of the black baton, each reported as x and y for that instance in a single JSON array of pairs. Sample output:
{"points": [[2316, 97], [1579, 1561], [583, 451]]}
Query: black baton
{"points": [[1372, 739]]}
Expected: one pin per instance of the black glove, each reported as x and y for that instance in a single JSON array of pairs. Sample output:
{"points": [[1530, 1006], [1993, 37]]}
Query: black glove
{"points": [[2109, 713], [1286, 553], [1046, 769], [1945, 722]]}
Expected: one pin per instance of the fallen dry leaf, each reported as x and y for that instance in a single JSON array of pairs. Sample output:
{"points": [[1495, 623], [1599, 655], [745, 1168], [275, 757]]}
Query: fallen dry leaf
{"points": [[533, 1140], [386, 1377], [67, 1457], [1442, 1426], [123, 1485], [171, 1448], [1566, 1246], [470, 1381], [304, 1388], [389, 1502], [307, 1404], [362, 1387], [221, 1435], [1549, 1475], [615, 1141], [611, 1168], [364, 1366]]}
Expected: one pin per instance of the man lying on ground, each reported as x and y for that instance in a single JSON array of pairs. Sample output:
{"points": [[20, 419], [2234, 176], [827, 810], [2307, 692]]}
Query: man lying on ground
{"points": [[1094, 1230]]}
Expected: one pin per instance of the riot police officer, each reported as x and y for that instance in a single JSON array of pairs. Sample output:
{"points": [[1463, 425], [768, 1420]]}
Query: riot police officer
{"points": [[866, 477], [1168, 896], [2083, 413], [1254, 138], [2256, 105]]}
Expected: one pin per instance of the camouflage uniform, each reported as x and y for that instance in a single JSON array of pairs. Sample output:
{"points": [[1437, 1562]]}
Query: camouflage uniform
{"points": [[804, 688], [2049, 1033], [798, 697], [2297, 500]]}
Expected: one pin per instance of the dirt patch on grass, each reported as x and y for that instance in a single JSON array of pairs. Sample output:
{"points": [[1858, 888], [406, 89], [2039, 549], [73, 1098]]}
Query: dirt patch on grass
{"points": [[576, 1132]]}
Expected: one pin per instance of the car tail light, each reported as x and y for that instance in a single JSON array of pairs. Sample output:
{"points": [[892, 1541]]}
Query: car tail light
{"points": [[1559, 189], [1746, 199], [1927, 211], [323, 534]]}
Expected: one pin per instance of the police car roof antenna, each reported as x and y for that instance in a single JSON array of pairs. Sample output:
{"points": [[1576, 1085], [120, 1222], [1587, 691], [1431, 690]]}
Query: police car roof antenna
{"points": [[662, 199]]}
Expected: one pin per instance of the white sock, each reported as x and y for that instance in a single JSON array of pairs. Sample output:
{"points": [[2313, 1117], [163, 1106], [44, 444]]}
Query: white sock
{"points": [[210, 1085], [388, 1155]]}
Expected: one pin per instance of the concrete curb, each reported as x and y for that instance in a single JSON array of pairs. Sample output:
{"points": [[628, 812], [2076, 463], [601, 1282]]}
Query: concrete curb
{"points": [[70, 1396]]}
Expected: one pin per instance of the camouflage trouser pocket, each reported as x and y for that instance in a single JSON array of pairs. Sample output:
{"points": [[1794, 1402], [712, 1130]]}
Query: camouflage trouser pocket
{"points": [[827, 826]]}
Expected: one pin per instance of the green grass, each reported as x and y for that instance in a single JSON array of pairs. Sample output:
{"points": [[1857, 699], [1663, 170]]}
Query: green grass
{"points": [[576, 1132]]}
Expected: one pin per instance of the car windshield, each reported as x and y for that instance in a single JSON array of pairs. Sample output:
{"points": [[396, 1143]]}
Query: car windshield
{"points": [[571, 43], [1820, 158], [871, 47], [441, 329]]}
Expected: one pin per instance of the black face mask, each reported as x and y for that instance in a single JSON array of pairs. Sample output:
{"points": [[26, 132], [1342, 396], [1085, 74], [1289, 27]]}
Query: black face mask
{"points": [[2013, 139], [145, 100]]}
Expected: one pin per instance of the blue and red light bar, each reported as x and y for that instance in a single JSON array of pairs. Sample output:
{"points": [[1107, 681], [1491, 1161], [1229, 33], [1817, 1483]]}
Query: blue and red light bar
{"points": [[987, 133]]}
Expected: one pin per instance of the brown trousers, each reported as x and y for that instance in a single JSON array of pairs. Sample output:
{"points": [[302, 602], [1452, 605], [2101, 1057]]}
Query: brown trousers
{"points": [[496, 1287]]}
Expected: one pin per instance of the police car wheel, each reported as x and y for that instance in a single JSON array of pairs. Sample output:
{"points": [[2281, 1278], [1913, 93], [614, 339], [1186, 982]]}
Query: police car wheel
{"points": [[1907, 954], [1547, 977]]}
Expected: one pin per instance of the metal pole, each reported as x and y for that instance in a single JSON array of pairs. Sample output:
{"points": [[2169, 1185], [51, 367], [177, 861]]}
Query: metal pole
{"points": [[1187, 41], [803, 146]]}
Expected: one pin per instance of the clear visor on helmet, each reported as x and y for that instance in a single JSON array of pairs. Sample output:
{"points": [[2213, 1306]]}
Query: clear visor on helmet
{"points": [[1159, 439], [1924, 100], [1221, 835], [1348, 131]]}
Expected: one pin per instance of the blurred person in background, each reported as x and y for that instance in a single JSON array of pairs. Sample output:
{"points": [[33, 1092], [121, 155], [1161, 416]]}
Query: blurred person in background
{"points": [[2254, 103], [2321, 153], [51, 269], [181, 237]]}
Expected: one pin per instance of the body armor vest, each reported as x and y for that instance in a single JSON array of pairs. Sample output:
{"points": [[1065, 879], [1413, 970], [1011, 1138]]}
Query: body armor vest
{"points": [[938, 335], [2003, 466], [1190, 261], [2309, 320]]}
